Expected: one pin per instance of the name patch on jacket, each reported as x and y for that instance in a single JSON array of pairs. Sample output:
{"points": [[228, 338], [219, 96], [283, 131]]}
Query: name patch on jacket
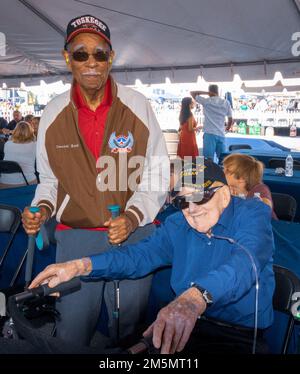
{"points": [[121, 143]]}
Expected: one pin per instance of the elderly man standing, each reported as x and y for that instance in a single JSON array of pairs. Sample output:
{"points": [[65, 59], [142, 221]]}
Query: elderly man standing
{"points": [[94, 142], [220, 248], [215, 111]]}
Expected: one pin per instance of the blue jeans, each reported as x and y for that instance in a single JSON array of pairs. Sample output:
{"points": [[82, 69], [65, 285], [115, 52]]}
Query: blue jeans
{"points": [[213, 144]]}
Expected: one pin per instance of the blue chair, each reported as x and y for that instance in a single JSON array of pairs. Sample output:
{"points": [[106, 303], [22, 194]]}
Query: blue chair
{"points": [[285, 206], [10, 220], [286, 284]]}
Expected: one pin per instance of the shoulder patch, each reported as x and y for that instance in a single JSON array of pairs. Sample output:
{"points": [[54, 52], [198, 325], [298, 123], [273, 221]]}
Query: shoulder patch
{"points": [[121, 143]]}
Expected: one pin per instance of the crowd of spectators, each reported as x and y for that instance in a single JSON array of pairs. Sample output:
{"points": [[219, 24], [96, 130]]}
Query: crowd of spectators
{"points": [[262, 108], [266, 104], [18, 144]]}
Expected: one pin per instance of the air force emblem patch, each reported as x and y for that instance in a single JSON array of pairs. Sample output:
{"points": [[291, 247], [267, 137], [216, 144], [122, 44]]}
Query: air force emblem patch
{"points": [[121, 143]]}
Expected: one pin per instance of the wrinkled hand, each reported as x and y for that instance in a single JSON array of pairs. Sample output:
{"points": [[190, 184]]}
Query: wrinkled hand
{"points": [[174, 323], [119, 229], [58, 273], [33, 221]]}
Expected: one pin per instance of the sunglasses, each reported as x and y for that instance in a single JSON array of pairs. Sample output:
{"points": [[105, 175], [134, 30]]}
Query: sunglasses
{"points": [[99, 56], [182, 202]]}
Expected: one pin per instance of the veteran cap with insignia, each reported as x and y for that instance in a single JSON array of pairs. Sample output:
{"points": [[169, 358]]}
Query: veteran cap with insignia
{"points": [[87, 23], [200, 174]]}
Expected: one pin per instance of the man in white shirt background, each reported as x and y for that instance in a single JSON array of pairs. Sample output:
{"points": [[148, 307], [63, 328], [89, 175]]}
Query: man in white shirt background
{"points": [[215, 111]]}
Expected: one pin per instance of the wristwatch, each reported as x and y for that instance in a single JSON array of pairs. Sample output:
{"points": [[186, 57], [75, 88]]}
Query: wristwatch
{"points": [[205, 294]]}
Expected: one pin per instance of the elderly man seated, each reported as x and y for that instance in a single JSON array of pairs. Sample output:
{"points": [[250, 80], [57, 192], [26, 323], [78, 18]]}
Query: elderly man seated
{"points": [[220, 248]]}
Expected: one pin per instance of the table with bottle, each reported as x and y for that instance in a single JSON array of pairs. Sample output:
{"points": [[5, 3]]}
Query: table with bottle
{"points": [[281, 183], [263, 156]]}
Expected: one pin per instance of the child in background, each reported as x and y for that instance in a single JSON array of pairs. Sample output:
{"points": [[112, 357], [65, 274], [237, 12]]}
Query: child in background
{"points": [[244, 176]]}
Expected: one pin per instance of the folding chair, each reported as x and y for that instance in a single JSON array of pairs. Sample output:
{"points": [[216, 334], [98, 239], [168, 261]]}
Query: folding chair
{"points": [[10, 220], [286, 284], [233, 147], [284, 205], [11, 167]]}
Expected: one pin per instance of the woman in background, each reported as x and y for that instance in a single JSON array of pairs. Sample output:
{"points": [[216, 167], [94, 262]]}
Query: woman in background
{"points": [[21, 149], [244, 177], [187, 145]]}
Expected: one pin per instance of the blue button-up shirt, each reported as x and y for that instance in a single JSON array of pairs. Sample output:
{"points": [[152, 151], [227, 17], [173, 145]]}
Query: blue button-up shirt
{"points": [[217, 264], [215, 110]]}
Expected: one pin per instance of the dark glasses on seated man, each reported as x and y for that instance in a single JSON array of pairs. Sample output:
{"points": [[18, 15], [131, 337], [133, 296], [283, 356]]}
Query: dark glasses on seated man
{"points": [[100, 55], [198, 198]]}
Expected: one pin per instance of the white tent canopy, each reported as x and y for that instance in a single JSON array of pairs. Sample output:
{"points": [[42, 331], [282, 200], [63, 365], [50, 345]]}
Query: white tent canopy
{"points": [[277, 87], [179, 39]]}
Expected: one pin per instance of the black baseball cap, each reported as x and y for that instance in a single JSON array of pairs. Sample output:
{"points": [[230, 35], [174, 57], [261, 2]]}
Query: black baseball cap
{"points": [[87, 23], [200, 174]]}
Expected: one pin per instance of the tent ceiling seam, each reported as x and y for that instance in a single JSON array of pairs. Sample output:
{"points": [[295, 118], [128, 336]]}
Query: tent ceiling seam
{"points": [[297, 4]]}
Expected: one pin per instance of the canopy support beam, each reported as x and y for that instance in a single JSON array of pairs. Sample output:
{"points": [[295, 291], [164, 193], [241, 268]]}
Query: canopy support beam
{"points": [[230, 65]]}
